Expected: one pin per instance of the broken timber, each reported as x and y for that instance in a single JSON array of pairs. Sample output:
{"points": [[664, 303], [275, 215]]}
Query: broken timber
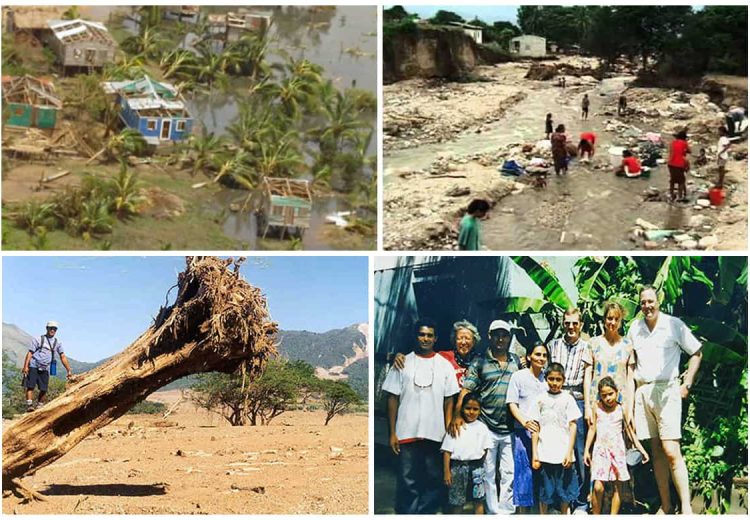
{"points": [[218, 321]]}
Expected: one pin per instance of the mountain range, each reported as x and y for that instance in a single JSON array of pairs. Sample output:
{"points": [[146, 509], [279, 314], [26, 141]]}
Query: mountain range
{"points": [[336, 354]]}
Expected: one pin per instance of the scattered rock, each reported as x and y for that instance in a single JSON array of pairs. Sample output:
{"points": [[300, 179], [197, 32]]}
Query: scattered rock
{"points": [[688, 244], [708, 242], [458, 191]]}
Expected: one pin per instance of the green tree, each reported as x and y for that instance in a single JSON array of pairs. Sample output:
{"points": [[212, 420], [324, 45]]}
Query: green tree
{"points": [[338, 397], [395, 14], [443, 17]]}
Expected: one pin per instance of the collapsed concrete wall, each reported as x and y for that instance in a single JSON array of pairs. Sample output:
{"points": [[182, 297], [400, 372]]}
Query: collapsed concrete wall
{"points": [[429, 52]]}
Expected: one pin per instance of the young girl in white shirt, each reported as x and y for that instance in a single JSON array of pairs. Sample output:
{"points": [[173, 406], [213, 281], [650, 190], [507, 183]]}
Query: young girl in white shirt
{"points": [[463, 459]]}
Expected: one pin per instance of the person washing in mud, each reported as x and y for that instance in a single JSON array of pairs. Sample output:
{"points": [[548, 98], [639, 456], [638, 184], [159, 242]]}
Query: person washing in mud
{"points": [[630, 167], [586, 146], [40, 363]]}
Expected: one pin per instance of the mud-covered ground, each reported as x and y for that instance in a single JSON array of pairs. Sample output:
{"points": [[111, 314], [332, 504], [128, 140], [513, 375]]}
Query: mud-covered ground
{"points": [[193, 462], [444, 142]]}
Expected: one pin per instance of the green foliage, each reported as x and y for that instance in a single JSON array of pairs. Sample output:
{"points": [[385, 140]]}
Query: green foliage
{"points": [[338, 397], [710, 295], [443, 17], [128, 142], [149, 408], [280, 385], [125, 192], [394, 14]]}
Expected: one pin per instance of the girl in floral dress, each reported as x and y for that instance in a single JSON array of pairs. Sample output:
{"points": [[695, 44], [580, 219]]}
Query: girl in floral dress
{"points": [[608, 462]]}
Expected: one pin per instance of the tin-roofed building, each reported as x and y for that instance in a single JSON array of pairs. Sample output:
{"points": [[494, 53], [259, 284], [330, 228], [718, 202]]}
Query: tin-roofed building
{"points": [[81, 44], [155, 109]]}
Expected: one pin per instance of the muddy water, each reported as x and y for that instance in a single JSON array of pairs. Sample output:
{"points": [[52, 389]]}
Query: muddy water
{"points": [[593, 208], [343, 41], [243, 226]]}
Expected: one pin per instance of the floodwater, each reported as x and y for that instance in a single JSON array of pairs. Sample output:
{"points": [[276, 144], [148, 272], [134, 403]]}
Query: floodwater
{"points": [[341, 39], [588, 208], [322, 235]]}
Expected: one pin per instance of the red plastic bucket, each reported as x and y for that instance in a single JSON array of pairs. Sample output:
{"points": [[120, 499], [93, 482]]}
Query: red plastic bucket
{"points": [[716, 196]]}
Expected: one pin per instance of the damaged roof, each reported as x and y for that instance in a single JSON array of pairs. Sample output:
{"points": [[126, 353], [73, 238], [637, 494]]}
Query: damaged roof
{"points": [[70, 31], [146, 93], [30, 91]]}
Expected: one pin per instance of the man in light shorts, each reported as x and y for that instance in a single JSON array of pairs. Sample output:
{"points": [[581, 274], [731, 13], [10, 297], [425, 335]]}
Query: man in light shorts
{"points": [[657, 341]]}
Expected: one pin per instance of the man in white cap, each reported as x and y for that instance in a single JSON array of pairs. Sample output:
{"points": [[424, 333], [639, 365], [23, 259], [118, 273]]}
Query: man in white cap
{"points": [[489, 376], [36, 366], [658, 340]]}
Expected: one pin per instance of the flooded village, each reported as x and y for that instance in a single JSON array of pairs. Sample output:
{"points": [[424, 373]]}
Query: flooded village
{"points": [[465, 103], [187, 127]]}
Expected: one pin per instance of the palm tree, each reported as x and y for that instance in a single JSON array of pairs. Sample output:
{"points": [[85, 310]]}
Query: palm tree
{"points": [[206, 148], [125, 192], [342, 123], [280, 157], [149, 43], [127, 142], [178, 63]]}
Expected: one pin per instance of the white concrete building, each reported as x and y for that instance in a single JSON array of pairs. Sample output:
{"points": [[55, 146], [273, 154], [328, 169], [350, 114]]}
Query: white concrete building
{"points": [[528, 46]]}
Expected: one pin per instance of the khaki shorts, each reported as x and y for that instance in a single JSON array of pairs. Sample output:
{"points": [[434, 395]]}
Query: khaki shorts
{"points": [[658, 411]]}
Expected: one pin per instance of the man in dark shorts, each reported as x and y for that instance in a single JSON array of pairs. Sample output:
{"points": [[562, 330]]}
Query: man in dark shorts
{"points": [[678, 165], [585, 107], [36, 366]]}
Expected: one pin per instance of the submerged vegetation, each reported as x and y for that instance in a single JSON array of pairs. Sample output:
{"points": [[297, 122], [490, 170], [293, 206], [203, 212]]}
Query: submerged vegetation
{"points": [[292, 122]]}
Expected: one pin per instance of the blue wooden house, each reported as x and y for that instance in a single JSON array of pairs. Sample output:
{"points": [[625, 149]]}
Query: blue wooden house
{"points": [[155, 109]]}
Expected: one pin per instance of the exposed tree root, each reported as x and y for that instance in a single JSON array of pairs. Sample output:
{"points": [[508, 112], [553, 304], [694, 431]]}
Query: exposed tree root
{"points": [[218, 321]]}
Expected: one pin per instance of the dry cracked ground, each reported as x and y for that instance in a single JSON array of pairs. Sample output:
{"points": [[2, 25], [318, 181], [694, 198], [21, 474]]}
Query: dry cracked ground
{"points": [[194, 462]]}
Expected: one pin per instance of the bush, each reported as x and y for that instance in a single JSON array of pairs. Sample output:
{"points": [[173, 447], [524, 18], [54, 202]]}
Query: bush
{"points": [[148, 407]]}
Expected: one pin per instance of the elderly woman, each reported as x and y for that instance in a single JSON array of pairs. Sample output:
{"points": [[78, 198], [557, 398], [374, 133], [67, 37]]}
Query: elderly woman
{"points": [[464, 338], [608, 355]]}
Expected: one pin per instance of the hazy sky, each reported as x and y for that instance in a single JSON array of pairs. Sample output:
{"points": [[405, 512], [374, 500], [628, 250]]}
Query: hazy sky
{"points": [[104, 303], [486, 13]]}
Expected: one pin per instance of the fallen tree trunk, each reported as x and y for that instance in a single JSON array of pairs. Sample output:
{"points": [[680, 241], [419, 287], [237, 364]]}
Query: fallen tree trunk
{"points": [[218, 321]]}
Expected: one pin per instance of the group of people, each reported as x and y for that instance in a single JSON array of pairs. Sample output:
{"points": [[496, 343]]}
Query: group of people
{"points": [[517, 430]]}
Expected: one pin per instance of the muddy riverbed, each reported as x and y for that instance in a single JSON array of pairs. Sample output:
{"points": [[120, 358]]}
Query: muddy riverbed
{"points": [[430, 179]]}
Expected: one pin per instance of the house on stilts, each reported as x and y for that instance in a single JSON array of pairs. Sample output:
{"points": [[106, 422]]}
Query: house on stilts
{"points": [[81, 45]]}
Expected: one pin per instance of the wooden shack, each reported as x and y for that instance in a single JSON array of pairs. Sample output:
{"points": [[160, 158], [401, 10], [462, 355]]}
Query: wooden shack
{"points": [[285, 204], [153, 108], [231, 26], [29, 102], [183, 13], [81, 44]]}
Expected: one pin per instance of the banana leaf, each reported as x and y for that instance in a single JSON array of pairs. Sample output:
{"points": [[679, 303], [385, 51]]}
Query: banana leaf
{"points": [[716, 354], [732, 270], [522, 305], [595, 284], [718, 332], [546, 281]]}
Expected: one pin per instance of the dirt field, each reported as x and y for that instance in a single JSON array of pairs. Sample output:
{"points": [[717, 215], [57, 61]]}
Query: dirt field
{"points": [[194, 462]]}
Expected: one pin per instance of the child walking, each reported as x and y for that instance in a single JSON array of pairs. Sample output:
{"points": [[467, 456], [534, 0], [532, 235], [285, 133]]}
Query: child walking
{"points": [[552, 446], [468, 233], [608, 463], [463, 459]]}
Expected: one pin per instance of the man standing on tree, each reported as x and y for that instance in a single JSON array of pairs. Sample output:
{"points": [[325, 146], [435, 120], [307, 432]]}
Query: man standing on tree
{"points": [[39, 359], [658, 339]]}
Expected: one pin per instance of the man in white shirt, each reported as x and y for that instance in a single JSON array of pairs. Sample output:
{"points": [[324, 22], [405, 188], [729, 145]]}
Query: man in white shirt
{"points": [[420, 404], [658, 340]]}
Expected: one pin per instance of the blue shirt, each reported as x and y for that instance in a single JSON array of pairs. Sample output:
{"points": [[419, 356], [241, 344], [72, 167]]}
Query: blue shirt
{"points": [[42, 357], [487, 377]]}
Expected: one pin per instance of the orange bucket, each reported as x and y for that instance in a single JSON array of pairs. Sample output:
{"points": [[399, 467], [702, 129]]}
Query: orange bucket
{"points": [[716, 196]]}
